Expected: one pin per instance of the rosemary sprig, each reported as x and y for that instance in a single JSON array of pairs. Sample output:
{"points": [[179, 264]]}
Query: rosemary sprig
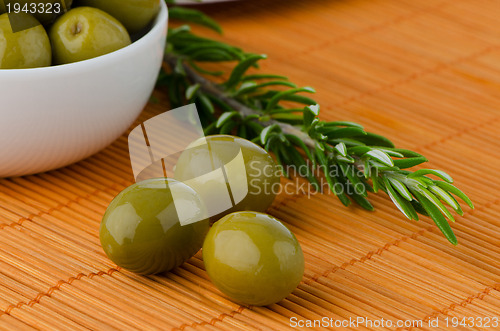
{"points": [[275, 113]]}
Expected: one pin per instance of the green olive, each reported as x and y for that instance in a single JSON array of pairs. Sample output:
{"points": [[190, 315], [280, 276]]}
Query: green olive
{"points": [[134, 14], [29, 48], [45, 11], [229, 173], [253, 258], [84, 33], [153, 226]]}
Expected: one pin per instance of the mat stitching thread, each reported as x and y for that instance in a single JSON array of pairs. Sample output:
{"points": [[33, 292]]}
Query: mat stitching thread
{"points": [[458, 133], [380, 26], [287, 199], [483, 206], [368, 256], [57, 287], [417, 75], [214, 320], [463, 303]]}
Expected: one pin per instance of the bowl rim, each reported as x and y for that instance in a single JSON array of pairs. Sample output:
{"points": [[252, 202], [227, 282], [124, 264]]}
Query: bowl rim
{"points": [[160, 18]]}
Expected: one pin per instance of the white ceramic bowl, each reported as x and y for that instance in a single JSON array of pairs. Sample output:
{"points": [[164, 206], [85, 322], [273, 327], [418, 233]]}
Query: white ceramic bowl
{"points": [[51, 117]]}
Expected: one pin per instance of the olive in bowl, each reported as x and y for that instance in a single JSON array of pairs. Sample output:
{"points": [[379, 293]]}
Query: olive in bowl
{"points": [[29, 48], [153, 226], [45, 11], [134, 14], [230, 174], [253, 258], [84, 33], [58, 115]]}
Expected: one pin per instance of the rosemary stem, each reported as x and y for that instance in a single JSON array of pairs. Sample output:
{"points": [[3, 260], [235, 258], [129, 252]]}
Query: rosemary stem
{"points": [[210, 88]]}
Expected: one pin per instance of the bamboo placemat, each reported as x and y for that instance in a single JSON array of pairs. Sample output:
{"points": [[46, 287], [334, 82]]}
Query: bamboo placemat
{"points": [[424, 73]]}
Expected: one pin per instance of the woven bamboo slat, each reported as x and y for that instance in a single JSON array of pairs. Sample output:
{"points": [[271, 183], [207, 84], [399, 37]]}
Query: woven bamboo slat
{"points": [[426, 74]]}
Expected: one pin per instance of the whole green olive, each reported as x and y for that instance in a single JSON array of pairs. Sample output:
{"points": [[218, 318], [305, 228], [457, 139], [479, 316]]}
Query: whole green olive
{"points": [[253, 258], [153, 226], [229, 173], [135, 15], [45, 11], [29, 48], [84, 33]]}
